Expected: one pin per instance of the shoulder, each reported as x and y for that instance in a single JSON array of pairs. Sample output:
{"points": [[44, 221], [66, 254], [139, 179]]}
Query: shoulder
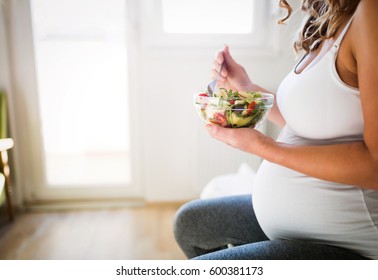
{"points": [[367, 8], [363, 30], [365, 17]]}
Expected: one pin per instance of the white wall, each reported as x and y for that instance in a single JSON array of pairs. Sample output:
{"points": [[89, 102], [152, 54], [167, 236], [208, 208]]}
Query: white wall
{"points": [[4, 72]]}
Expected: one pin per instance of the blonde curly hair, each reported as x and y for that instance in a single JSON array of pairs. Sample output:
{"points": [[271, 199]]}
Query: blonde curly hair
{"points": [[324, 19]]}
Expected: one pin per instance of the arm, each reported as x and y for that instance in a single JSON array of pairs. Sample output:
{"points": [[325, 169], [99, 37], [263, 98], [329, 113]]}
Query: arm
{"points": [[353, 163]]}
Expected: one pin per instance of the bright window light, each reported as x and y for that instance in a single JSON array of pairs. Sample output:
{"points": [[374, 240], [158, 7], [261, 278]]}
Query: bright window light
{"points": [[81, 64], [208, 16]]}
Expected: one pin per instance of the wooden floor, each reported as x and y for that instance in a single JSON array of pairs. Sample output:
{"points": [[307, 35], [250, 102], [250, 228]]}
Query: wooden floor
{"points": [[137, 233]]}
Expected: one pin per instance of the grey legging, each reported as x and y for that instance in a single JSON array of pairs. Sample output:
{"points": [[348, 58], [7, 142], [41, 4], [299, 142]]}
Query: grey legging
{"points": [[204, 229]]}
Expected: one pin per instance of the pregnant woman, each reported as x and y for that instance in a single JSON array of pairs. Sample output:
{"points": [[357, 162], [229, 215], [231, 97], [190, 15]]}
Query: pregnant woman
{"points": [[316, 193]]}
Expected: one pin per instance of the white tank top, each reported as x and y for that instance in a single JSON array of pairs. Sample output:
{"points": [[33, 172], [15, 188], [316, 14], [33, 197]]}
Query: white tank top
{"points": [[319, 109]]}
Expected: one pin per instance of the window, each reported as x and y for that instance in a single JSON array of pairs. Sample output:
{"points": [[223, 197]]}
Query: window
{"points": [[80, 54], [207, 23], [209, 17]]}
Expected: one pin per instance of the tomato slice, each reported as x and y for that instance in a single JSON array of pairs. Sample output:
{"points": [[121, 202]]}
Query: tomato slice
{"points": [[251, 107], [220, 118]]}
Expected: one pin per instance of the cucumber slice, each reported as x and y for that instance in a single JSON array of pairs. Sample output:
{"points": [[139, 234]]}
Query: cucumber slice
{"points": [[238, 121]]}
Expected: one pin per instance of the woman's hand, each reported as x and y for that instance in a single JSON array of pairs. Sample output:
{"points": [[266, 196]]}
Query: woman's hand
{"points": [[245, 139], [233, 75]]}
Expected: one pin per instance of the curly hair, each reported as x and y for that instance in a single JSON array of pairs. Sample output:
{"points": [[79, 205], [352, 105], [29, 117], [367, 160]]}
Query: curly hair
{"points": [[324, 19]]}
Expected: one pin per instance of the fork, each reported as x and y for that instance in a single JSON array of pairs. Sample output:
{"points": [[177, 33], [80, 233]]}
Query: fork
{"points": [[211, 85]]}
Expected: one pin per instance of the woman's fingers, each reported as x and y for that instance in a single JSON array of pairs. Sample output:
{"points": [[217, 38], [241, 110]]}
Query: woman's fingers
{"points": [[226, 135], [216, 68], [227, 57], [219, 57], [214, 73], [244, 139], [219, 60]]}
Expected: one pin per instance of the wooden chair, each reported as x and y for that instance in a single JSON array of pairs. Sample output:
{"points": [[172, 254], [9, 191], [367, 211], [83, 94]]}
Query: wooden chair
{"points": [[6, 143]]}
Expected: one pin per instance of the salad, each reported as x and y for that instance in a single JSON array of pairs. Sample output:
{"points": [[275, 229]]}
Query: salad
{"points": [[234, 109]]}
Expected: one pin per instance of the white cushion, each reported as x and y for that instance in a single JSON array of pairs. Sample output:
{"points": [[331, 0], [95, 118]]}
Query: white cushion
{"points": [[230, 184]]}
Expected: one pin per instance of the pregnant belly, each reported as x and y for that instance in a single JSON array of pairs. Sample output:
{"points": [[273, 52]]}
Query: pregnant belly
{"points": [[290, 205]]}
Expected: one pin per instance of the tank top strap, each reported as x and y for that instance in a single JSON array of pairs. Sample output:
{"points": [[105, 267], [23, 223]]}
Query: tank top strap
{"points": [[342, 34]]}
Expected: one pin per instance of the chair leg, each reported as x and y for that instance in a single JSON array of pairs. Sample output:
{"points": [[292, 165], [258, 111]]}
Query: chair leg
{"points": [[7, 186]]}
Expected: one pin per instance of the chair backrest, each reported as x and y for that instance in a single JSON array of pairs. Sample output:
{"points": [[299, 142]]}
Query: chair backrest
{"points": [[3, 115]]}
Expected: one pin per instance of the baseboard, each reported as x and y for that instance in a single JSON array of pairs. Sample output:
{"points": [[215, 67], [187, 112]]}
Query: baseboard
{"points": [[82, 204]]}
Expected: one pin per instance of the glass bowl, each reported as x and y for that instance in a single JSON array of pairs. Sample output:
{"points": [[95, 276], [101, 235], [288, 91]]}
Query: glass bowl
{"points": [[234, 109]]}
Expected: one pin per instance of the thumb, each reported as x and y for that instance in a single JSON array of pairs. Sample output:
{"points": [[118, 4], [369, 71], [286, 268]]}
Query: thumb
{"points": [[227, 57]]}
